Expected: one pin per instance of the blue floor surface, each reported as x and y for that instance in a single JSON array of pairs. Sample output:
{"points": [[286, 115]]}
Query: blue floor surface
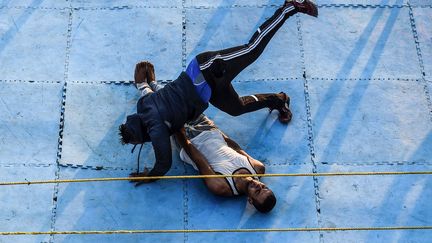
{"points": [[360, 82]]}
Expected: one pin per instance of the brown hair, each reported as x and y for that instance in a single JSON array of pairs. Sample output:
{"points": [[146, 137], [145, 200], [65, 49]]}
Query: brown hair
{"points": [[124, 134]]}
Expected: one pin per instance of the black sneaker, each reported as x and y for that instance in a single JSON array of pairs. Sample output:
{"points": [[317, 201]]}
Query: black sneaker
{"points": [[285, 114], [304, 6]]}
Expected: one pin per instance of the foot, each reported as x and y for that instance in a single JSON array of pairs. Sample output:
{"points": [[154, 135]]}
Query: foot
{"points": [[304, 6], [151, 76], [141, 74], [285, 114]]}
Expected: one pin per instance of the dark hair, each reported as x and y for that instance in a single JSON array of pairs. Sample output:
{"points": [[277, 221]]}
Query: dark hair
{"points": [[124, 134], [267, 205]]}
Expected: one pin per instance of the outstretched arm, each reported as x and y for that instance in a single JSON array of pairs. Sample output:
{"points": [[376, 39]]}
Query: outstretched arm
{"points": [[216, 185], [258, 166], [160, 139]]}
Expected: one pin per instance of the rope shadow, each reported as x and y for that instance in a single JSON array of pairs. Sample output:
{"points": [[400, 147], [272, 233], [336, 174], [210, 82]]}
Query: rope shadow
{"points": [[217, 17], [330, 96], [422, 200], [358, 91], [103, 210]]}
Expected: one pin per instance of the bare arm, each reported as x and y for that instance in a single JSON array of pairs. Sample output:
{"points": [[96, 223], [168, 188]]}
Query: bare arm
{"points": [[216, 185], [258, 166]]}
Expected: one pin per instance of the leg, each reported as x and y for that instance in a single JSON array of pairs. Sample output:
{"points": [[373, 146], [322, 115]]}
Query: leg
{"points": [[230, 102], [219, 68], [224, 65]]}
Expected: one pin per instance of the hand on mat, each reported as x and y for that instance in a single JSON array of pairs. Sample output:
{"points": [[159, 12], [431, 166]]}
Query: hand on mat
{"points": [[140, 174]]}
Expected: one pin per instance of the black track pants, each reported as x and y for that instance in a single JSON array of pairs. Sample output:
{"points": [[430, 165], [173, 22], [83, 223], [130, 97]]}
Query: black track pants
{"points": [[221, 67]]}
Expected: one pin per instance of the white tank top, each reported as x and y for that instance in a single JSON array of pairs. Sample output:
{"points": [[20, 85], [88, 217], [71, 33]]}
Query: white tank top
{"points": [[222, 158]]}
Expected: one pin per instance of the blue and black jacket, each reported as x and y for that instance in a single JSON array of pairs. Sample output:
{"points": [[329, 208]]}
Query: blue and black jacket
{"points": [[161, 114]]}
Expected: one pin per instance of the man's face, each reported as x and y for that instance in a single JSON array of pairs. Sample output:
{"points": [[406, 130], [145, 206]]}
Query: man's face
{"points": [[258, 191]]}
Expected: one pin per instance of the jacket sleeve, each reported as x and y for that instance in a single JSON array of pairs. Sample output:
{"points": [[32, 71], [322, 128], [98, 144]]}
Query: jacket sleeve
{"points": [[160, 137]]}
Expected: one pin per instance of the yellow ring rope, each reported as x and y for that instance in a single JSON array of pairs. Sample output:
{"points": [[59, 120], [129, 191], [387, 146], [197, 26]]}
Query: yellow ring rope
{"points": [[100, 232], [218, 230], [216, 176]]}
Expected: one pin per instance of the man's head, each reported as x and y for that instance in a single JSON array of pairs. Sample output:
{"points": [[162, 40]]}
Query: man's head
{"points": [[133, 131], [260, 196]]}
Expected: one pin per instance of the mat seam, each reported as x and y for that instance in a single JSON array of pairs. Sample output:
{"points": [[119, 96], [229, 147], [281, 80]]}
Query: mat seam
{"points": [[421, 62], [309, 127], [129, 7], [166, 81], [61, 124], [184, 182], [324, 163]]}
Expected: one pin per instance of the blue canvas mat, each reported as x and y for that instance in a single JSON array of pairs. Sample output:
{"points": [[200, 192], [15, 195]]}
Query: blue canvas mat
{"points": [[358, 120], [26, 206], [105, 44], [360, 82], [26, 54], [423, 16], [369, 44], [30, 113], [396, 201]]}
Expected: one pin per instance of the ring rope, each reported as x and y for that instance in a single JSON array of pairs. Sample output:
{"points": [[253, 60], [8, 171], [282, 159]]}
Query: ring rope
{"points": [[215, 176], [100, 232]]}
